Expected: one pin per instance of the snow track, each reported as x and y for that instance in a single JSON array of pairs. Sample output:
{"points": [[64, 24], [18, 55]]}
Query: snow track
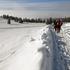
{"points": [[54, 46], [58, 56]]}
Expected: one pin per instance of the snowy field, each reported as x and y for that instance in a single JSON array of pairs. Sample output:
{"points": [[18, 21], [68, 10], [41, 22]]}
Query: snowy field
{"points": [[19, 44], [34, 46]]}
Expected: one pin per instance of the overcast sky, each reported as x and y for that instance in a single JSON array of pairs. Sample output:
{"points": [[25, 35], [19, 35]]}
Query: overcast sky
{"points": [[35, 8]]}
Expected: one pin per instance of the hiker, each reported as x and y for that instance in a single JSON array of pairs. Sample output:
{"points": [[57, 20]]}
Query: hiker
{"points": [[49, 21], [9, 22], [57, 25]]}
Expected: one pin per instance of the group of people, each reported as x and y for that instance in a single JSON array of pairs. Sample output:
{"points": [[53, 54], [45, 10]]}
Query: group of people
{"points": [[57, 25]]}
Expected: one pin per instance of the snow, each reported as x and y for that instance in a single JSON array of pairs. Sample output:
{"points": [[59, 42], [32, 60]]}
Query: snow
{"points": [[34, 46], [19, 46]]}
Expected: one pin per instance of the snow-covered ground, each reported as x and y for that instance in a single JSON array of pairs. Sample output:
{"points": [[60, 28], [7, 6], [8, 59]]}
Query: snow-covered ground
{"points": [[33, 46], [19, 44]]}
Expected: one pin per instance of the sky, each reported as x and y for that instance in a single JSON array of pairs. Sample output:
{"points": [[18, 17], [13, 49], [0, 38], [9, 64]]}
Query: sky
{"points": [[35, 8]]}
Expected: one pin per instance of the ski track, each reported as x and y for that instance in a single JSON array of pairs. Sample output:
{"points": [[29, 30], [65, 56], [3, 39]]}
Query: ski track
{"points": [[57, 52]]}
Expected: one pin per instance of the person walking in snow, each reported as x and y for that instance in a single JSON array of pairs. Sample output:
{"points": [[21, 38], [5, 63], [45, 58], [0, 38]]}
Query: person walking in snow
{"points": [[57, 25], [9, 22]]}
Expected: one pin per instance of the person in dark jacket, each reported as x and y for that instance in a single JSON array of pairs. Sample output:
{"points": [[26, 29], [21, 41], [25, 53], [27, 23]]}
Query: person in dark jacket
{"points": [[9, 22], [57, 25]]}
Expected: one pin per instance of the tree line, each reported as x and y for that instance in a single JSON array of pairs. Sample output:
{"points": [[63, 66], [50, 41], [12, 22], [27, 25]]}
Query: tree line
{"points": [[37, 20], [21, 20], [51, 20]]}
